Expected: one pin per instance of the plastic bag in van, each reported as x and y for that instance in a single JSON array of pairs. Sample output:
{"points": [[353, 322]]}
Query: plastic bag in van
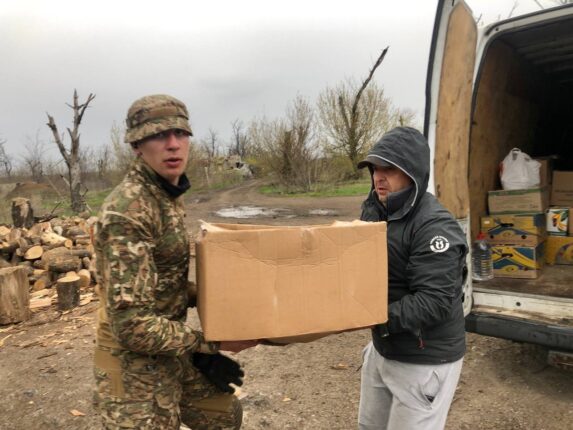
{"points": [[519, 171]]}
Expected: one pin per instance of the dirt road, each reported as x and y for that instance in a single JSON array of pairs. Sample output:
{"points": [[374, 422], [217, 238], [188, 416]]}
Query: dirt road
{"points": [[46, 379]]}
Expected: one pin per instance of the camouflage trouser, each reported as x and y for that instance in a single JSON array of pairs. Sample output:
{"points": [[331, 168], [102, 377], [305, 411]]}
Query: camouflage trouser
{"points": [[158, 393]]}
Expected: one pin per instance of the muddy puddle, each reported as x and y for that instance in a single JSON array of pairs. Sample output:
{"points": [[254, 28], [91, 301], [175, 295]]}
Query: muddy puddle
{"points": [[242, 212], [246, 212]]}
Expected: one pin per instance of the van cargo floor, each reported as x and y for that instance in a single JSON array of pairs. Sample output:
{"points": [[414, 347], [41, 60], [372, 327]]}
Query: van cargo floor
{"points": [[554, 281]]}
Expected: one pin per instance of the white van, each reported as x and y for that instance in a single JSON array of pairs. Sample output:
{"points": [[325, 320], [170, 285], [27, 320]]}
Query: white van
{"points": [[509, 84]]}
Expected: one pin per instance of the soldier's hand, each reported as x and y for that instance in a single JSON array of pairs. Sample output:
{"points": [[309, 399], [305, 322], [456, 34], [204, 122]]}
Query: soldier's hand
{"points": [[237, 345], [220, 370]]}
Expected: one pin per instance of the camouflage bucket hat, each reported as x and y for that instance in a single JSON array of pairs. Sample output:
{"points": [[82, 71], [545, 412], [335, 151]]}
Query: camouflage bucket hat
{"points": [[150, 115]]}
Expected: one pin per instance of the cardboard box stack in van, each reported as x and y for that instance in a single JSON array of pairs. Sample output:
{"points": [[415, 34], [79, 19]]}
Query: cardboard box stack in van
{"points": [[516, 227], [546, 169], [517, 242], [559, 248]]}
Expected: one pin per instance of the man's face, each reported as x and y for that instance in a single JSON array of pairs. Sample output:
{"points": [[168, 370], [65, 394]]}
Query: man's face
{"points": [[166, 153], [389, 180]]}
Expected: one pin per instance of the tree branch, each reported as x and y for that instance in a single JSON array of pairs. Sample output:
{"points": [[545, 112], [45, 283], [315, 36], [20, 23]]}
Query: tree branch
{"points": [[367, 81], [57, 138]]}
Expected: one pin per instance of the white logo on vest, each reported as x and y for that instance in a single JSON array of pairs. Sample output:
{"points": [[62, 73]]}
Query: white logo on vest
{"points": [[439, 244]]}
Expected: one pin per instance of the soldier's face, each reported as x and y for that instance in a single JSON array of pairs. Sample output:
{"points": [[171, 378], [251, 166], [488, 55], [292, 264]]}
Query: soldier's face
{"points": [[389, 180], [166, 153]]}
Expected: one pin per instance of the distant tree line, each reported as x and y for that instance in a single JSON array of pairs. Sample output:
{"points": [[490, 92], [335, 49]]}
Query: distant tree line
{"points": [[313, 143]]}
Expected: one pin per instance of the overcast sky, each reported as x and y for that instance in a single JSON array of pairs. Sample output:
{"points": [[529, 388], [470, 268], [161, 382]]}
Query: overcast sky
{"points": [[224, 59]]}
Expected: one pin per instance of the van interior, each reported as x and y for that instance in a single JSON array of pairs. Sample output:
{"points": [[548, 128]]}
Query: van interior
{"points": [[523, 98]]}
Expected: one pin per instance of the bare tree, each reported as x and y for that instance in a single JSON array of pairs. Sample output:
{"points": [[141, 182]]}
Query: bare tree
{"points": [[122, 152], [71, 155], [5, 159], [287, 147], [353, 117], [210, 144], [555, 2], [103, 162], [239, 140], [34, 157]]}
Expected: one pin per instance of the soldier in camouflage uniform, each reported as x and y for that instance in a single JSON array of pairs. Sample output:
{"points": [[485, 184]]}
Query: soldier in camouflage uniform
{"points": [[146, 357]]}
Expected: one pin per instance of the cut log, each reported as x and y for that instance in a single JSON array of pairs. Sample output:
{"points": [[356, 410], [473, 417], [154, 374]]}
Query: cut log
{"points": [[86, 263], [44, 281], [50, 238], [39, 228], [58, 256], [40, 279], [76, 231], [23, 246], [28, 266], [14, 295], [34, 253], [22, 213], [85, 277], [48, 256], [83, 240], [4, 263], [7, 248], [15, 234], [64, 263], [15, 259], [4, 231], [68, 289]]}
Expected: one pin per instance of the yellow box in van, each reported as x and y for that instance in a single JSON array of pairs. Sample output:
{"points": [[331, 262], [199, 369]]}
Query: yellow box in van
{"points": [[559, 250], [514, 229], [517, 261]]}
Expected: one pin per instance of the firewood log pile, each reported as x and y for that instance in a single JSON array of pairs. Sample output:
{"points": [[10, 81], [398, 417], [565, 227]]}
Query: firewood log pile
{"points": [[51, 262]]}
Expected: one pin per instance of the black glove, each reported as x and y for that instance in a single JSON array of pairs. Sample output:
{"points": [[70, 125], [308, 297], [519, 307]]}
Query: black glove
{"points": [[220, 370]]}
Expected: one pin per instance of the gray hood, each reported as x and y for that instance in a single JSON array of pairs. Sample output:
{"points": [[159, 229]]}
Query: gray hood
{"points": [[407, 149]]}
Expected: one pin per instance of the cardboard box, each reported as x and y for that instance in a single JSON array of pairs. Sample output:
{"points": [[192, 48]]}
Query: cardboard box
{"points": [[557, 221], [545, 169], [559, 250], [517, 261], [562, 189], [514, 229], [266, 282], [530, 200]]}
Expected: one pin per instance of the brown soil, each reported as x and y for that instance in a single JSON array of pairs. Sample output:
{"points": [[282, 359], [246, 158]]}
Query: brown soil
{"points": [[45, 363]]}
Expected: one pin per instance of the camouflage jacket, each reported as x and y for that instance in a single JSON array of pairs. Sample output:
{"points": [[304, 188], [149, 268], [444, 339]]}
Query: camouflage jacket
{"points": [[142, 262]]}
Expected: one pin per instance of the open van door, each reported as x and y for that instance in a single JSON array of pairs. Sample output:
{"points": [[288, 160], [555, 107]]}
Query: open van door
{"points": [[448, 111], [507, 85]]}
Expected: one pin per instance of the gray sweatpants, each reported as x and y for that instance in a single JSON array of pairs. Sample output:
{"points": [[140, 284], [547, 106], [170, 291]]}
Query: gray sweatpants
{"points": [[404, 396]]}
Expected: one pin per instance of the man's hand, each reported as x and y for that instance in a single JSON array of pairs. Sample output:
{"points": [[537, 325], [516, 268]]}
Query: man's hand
{"points": [[220, 370], [237, 345]]}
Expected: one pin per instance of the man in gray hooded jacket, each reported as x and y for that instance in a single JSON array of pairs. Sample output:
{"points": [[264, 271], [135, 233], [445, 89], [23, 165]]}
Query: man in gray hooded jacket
{"points": [[412, 366]]}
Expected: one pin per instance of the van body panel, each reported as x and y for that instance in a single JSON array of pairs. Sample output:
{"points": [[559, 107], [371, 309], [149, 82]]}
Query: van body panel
{"points": [[454, 112], [448, 105], [526, 330]]}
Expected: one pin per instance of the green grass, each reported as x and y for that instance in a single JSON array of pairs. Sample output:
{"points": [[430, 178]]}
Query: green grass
{"points": [[360, 188], [95, 199], [45, 205]]}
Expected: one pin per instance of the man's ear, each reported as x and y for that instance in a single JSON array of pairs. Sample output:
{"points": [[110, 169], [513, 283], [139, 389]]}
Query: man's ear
{"points": [[135, 149]]}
